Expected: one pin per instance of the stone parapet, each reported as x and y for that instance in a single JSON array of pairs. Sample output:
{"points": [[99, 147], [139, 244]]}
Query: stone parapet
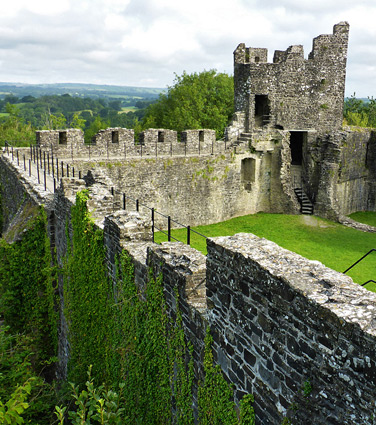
{"points": [[292, 332]]}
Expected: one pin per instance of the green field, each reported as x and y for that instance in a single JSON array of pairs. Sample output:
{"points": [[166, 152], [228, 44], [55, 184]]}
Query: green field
{"points": [[126, 109], [334, 245]]}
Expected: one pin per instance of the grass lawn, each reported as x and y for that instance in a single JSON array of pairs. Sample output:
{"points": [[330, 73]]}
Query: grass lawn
{"points": [[366, 217], [334, 245]]}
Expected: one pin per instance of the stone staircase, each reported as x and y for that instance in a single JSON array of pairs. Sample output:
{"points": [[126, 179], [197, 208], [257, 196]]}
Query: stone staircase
{"points": [[306, 206], [242, 140]]}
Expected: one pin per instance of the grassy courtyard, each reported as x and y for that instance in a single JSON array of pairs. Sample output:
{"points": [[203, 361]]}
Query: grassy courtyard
{"points": [[334, 245]]}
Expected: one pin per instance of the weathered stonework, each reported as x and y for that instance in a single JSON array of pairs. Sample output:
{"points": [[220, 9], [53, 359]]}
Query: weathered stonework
{"points": [[293, 92], [280, 323], [286, 135], [120, 143], [304, 98]]}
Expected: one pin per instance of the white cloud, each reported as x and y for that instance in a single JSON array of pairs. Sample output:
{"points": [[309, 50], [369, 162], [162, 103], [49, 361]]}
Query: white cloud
{"points": [[143, 42], [40, 7]]}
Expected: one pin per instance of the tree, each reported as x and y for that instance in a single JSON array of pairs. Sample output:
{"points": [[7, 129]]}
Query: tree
{"points": [[14, 130], [198, 100], [359, 112], [78, 122], [95, 126]]}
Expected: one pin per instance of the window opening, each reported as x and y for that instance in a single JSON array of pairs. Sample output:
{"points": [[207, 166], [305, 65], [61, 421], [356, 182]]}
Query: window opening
{"points": [[62, 137], [115, 137]]}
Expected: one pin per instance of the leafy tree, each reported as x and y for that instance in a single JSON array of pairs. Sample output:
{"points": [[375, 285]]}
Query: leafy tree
{"points": [[13, 129], [115, 104], [55, 122], [359, 112], [11, 99], [78, 121], [204, 100], [24, 396]]}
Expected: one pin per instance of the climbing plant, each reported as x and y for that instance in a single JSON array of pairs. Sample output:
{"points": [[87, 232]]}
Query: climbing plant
{"points": [[215, 396], [87, 296], [27, 286], [140, 366]]}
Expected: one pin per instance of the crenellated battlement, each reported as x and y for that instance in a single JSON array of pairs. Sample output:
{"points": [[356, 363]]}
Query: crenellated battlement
{"points": [[121, 143]]}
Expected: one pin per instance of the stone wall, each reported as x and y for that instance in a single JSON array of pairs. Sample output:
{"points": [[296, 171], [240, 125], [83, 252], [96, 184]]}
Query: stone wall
{"points": [[120, 143], [280, 321], [17, 190], [200, 190], [296, 334], [356, 190]]}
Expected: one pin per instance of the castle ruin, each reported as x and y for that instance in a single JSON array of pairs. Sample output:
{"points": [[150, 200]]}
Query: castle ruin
{"points": [[277, 319]]}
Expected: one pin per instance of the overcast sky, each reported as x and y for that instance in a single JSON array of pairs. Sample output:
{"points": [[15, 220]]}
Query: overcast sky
{"points": [[144, 42]]}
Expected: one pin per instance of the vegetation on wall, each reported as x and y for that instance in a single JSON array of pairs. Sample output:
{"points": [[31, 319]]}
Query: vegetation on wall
{"points": [[133, 344], [28, 339], [27, 291], [139, 364], [86, 295]]}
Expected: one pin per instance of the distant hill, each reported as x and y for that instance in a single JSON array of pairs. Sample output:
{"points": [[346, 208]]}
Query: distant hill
{"points": [[81, 90]]}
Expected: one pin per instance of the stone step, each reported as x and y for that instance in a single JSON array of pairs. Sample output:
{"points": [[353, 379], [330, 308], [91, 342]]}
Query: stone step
{"points": [[306, 206]]}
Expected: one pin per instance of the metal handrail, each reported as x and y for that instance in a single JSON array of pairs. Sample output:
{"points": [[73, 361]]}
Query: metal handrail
{"points": [[39, 158], [368, 281], [360, 259]]}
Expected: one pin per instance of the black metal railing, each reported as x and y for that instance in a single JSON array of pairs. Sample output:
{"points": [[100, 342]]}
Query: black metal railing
{"points": [[368, 281], [357, 262], [166, 230], [47, 165]]}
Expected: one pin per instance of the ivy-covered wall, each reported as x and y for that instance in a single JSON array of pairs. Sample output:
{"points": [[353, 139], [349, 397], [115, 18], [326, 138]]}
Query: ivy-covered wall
{"points": [[121, 332], [27, 283], [130, 337], [298, 336]]}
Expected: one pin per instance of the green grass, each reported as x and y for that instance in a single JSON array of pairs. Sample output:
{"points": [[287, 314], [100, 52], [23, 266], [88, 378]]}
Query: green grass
{"points": [[126, 109], [366, 217], [331, 243]]}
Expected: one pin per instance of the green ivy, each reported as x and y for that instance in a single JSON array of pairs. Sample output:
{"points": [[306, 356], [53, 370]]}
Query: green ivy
{"points": [[24, 396], [126, 334], [27, 286], [215, 396], [87, 296]]}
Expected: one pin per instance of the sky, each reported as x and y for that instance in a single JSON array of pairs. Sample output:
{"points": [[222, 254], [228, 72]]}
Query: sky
{"points": [[145, 42]]}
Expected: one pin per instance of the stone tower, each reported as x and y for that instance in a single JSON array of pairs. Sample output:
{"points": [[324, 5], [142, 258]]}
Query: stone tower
{"points": [[293, 93]]}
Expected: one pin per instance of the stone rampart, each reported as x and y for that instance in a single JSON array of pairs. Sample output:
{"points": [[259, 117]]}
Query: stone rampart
{"points": [[356, 187], [200, 190], [296, 334], [120, 143], [17, 190], [293, 92]]}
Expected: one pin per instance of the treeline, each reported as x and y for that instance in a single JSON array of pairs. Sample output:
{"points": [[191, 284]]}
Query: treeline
{"points": [[194, 101], [20, 117]]}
